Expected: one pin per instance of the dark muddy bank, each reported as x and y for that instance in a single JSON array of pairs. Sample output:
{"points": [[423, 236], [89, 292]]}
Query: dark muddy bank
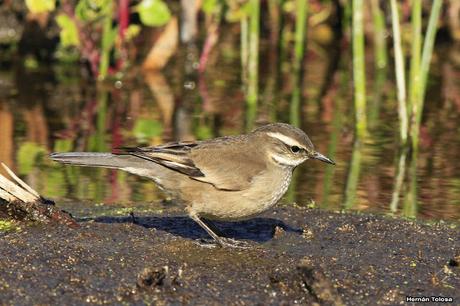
{"points": [[299, 256]]}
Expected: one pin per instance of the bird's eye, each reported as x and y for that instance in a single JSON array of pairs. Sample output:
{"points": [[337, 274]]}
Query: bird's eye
{"points": [[295, 149]]}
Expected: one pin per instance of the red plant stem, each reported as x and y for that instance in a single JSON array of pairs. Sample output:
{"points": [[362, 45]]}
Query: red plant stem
{"points": [[123, 17], [123, 23], [211, 40]]}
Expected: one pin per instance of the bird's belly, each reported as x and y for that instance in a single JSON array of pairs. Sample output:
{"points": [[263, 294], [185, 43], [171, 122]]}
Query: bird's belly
{"points": [[237, 205]]}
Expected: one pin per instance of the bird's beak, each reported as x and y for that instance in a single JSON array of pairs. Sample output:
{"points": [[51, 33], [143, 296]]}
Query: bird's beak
{"points": [[322, 158]]}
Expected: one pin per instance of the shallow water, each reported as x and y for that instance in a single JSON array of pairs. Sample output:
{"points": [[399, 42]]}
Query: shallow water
{"points": [[52, 108]]}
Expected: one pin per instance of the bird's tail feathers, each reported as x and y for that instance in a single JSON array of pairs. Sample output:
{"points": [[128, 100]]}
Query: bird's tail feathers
{"points": [[93, 159]]}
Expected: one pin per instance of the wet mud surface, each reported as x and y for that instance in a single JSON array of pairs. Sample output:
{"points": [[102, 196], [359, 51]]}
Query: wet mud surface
{"points": [[299, 256]]}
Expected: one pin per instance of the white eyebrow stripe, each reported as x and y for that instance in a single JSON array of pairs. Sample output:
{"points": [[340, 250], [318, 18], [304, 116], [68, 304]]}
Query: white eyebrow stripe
{"points": [[285, 161], [287, 140]]}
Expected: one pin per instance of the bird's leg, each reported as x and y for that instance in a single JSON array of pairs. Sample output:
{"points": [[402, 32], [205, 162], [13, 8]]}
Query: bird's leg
{"points": [[212, 226], [206, 228], [222, 241]]}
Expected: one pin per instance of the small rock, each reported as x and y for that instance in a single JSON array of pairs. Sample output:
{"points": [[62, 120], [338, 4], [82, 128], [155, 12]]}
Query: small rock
{"points": [[347, 228], [307, 233], [278, 232], [317, 283], [454, 262], [150, 278]]}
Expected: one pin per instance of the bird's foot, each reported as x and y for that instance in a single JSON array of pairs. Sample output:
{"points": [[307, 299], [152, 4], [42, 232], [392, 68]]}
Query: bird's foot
{"points": [[225, 243], [235, 244], [207, 243]]}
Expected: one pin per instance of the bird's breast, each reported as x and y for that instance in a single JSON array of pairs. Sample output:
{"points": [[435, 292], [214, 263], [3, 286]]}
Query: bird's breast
{"points": [[275, 188], [265, 191]]}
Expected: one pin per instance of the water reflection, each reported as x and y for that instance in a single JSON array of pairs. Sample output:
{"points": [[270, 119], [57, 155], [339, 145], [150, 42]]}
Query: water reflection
{"points": [[400, 171], [6, 128], [410, 202], [353, 176], [53, 109]]}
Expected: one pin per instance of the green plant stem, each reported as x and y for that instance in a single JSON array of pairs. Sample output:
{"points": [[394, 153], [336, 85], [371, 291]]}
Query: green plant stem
{"points": [[294, 106], [106, 43], [359, 68], [429, 43], [253, 61], [300, 29], [244, 38], [347, 16], [414, 89], [299, 51], [424, 69], [378, 19], [400, 76], [381, 63]]}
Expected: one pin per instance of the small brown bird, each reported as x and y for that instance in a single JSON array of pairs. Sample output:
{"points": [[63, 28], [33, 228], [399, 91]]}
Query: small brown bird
{"points": [[226, 178]]}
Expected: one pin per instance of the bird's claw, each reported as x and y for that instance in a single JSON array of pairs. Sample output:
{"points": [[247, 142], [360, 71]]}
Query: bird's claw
{"points": [[225, 243]]}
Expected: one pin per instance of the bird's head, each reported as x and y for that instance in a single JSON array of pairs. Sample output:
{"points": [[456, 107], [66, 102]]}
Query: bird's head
{"points": [[287, 145]]}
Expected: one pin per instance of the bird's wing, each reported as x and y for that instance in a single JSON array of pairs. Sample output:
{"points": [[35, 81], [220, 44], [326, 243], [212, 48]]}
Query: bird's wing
{"points": [[228, 163], [175, 156], [208, 162]]}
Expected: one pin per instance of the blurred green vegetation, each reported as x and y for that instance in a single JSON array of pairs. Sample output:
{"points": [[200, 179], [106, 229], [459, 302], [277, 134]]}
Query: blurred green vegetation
{"points": [[28, 155], [101, 30], [277, 44], [7, 226], [146, 129]]}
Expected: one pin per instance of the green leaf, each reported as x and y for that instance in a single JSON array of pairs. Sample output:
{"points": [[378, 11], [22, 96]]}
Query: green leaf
{"points": [[41, 6], [69, 31], [90, 10], [55, 182], [109, 40], [132, 31], [63, 145], [153, 13], [203, 132], [7, 226], [209, 6], [28, 155], [84, 12], [146, 129], [289, 6], [31, 63], [235, 14]]}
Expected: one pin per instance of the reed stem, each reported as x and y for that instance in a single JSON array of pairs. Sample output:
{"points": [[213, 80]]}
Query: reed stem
{"points": [[353, 175], [253, 60], [300, 29], [380, 48], [399, 180], [359, 68], [107, 42], [424, 69], [244, 51], [410, 205], [400, 75], [299, 51], [414, 89]]}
